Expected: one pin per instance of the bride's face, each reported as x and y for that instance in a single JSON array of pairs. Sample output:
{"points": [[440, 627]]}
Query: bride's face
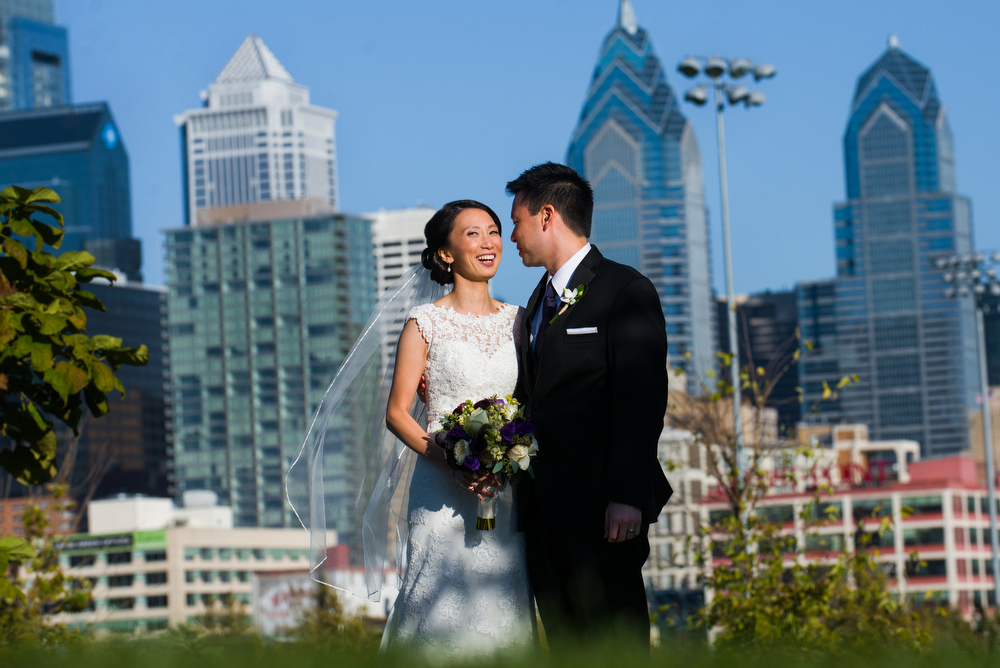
{"points": [[475, 246]]}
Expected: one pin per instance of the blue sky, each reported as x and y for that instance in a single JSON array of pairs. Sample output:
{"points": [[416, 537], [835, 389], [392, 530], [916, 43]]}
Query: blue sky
{"points": [[448, 99]]}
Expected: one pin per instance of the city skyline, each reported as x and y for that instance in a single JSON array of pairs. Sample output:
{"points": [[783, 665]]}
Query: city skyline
{"points": [[407, 139]]}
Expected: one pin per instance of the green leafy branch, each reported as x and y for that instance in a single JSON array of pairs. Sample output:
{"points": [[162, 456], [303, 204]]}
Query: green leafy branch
{"points": [[49, 367]]}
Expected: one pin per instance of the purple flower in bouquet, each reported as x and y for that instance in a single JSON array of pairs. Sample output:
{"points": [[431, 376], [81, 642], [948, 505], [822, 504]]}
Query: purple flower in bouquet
{"points": [[458, 433], [478, 444], [458, 411], [507, 431], [471, 463], [524, 428]]}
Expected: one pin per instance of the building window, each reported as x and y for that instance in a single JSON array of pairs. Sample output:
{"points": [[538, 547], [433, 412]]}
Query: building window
{"points": [[121, 603], [156, 601], [891, 256], [120, 580], [191, 599], [897, 410], [898, 370], [157, 578], [929, 536], [896, 332], [189, 576], [120, 558], [923, 505], [160, 555], [82, 560]]}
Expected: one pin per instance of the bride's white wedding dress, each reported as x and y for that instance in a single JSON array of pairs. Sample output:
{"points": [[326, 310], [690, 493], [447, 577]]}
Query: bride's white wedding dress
{"points": [[464, 591]]}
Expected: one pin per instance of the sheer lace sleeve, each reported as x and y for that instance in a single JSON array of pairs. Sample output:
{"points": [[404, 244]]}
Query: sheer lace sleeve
{"points": [[423, 315]]}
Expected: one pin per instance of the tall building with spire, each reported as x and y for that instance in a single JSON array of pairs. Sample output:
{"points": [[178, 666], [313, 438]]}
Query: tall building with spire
{"points": [[257, 138], [913, 350], [34, 56], [641, 156]]}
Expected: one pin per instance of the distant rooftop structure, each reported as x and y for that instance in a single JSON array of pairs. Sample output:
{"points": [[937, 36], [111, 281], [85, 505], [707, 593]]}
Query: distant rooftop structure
{"points": [[53, 129], [253, 61]]}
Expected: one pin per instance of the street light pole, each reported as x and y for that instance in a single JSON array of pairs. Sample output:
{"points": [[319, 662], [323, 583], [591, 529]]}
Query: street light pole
{"points": [[715, 68], [727, 244], [984, 391], [969, 275]]}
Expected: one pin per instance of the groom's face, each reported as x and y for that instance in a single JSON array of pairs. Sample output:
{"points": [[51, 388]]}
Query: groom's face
{"points": [[527, 234]]}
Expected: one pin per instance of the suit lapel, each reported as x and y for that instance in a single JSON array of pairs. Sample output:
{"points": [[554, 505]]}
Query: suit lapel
{"points": [[582, 276]]}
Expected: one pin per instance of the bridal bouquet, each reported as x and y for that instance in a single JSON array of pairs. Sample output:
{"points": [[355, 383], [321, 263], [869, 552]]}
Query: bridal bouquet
{"points": [[489, 434]]}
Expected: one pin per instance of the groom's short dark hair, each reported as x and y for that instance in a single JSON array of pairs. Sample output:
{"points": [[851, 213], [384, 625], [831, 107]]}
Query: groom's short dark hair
{"points": [[558, 185]]}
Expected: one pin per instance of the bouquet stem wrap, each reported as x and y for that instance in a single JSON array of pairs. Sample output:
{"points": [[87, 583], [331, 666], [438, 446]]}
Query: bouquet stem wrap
{"points": [[486, 520]]}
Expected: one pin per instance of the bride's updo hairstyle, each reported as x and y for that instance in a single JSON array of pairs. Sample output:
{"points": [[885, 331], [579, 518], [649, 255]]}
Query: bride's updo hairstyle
{"points": [[437, 232]]}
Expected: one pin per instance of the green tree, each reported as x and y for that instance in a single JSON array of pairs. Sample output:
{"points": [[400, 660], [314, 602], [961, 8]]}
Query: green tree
{"points": [[49, 367], [33, 586], [326, 625]]}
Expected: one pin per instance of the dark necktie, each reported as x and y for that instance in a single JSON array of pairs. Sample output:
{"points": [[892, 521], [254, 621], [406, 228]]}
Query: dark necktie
{"points": [[548, 312]]}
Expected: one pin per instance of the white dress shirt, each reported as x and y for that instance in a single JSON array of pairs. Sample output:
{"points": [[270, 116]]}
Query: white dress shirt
{"points": [[558, 280]]}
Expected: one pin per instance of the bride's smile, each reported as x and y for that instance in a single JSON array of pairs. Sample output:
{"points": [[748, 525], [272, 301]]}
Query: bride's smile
{"points": [[474, 246]]}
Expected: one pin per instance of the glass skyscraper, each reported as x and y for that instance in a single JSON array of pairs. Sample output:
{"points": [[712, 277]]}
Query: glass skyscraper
{"points": [[913, 350], [78, 152], [257, 138], [262, 311], [641, 156], [34, 56]]}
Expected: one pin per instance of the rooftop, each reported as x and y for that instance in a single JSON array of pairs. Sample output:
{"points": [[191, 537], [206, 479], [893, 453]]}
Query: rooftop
{"points": [[253, 61], [50, 126]]}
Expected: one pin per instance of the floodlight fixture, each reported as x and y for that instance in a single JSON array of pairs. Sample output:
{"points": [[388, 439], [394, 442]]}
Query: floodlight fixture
{"points": [[715, 67], [763, 71], [737, 94], [738, 67], [689, 67], [697, 95]]}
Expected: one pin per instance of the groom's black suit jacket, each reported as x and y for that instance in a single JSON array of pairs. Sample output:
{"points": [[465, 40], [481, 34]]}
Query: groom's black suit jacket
{"points": [[597, 399]]}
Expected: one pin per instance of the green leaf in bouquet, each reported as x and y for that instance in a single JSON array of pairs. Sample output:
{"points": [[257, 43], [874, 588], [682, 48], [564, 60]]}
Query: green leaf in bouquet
{"points": [[531, 471], [497, 467], [513, 466]]}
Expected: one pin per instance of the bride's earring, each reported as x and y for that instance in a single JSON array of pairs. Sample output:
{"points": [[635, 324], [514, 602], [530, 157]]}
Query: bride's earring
{"points": [[449, 268]]}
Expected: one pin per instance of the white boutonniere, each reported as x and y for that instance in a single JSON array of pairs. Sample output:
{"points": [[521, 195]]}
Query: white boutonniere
{"points": [[568, 298]]}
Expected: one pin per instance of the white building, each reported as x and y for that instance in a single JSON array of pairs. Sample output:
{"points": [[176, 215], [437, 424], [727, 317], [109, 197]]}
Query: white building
{"points": [[398, 236], [257, 138], [153, 565]]}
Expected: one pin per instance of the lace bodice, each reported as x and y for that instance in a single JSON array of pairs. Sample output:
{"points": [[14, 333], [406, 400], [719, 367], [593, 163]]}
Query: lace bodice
{"points": [[468, 356]]}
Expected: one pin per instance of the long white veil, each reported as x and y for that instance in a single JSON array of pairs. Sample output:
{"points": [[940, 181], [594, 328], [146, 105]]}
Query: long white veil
{"points": [[349, 466]]}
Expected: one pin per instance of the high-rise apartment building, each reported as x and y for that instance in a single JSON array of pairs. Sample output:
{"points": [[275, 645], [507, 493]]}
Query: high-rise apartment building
{"points": [[641, 156], [257, 138], [34, 56], [398, 236], [913, 350], [78, 152], [766, 324], [265, 302]]}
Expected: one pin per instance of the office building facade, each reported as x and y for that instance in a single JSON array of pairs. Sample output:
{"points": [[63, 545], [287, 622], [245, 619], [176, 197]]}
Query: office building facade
{"points": [[264, 305], [398, 238], [913, 350], [256, 139], [766, 326], [34, 56], [77, 151], [641, 156]]}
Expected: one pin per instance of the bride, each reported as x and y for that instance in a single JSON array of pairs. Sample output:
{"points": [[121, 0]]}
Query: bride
{"points": [[463, 590], [393, 495]]}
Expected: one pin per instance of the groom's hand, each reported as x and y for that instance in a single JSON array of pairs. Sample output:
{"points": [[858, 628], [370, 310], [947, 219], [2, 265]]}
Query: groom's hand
{"points": [[621, 522]]}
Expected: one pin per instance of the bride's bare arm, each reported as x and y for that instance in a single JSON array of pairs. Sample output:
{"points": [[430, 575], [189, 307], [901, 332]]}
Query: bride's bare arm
{"points": [[411, 357]]}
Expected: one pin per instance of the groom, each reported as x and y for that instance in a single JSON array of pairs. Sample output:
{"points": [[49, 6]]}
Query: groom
{"points": [[593, 379]]}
